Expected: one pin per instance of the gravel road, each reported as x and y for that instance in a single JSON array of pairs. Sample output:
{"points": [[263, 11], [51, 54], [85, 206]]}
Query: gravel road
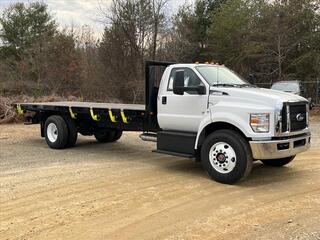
{"points": [[124, 191]]}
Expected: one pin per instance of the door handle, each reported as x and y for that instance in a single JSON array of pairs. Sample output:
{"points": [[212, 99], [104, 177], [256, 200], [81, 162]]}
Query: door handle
{"points": [[164, 100]]}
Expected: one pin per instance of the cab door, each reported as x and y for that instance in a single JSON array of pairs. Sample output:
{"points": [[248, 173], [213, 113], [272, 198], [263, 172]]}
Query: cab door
{"points": [[182, 112]]}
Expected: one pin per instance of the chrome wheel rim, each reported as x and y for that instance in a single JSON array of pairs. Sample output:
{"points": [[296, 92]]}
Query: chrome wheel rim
{"points": [[52, 132], [222, 157]]}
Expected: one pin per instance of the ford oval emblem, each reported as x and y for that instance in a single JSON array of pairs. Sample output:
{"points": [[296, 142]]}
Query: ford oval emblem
{"points": [[300, 117]]}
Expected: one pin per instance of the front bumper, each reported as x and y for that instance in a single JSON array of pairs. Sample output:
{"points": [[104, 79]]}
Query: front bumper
{"points": [[274, 149]]}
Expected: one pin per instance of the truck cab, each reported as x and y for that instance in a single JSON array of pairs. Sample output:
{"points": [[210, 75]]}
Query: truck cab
{"points": [[211, 112], [202, 111]]}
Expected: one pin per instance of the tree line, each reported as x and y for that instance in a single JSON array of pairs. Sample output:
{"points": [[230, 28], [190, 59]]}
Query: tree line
{"points": [[264, 41]]}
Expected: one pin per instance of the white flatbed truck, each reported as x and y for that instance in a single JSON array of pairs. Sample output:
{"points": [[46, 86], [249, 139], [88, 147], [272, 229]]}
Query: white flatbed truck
{"points": [[201, 111]]}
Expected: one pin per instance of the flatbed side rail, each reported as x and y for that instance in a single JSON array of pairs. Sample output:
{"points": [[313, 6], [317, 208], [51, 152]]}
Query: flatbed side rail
{"points": [[125, 119]]}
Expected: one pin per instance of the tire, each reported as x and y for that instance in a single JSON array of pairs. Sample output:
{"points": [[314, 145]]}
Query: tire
{"points": [[105, 136], [56, 132], [117, 135], [278, 162], [226, 156], [72, 130]]}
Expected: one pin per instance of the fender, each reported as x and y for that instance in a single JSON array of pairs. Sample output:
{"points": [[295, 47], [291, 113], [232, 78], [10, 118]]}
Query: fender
{"points": [[232, 119], [205, 122]]}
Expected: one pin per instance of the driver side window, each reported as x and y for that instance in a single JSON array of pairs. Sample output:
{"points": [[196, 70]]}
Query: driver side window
{"points": [[190, 78]]}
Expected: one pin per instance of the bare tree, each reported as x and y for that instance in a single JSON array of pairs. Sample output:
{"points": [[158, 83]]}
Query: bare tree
{"points": [[158, 7], [131, 36]]}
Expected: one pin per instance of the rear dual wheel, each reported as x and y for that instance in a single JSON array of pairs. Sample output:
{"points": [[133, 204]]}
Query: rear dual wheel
{"points": [[60, 132]]}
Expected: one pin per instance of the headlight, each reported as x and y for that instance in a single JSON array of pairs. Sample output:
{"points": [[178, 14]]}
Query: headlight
{"points": [[260, 122]]}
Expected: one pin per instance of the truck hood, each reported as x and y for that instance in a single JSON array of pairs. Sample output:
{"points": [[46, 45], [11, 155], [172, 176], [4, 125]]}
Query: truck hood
{"points": [[261, 96]]}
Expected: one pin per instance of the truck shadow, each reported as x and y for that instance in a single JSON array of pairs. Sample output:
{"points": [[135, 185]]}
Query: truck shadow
{"points": [[264, 175], [136, 152], [260, 175]]}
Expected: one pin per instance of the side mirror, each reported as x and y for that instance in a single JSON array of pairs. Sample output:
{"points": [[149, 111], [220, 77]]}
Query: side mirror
{"points": [[201, 90], [251, 78], [178, 83]]}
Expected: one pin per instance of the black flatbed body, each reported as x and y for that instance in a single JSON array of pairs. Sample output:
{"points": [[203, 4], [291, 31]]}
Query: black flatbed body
{"points": [[52, 106], [127, 117]]}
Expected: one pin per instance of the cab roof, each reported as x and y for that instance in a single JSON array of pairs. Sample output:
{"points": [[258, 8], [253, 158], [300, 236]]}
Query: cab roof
{"points": [[192, 65]]}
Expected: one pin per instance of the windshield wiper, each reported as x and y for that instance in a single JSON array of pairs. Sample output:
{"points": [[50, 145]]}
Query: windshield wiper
{"points": [[248, 85], [233, 85], [225, 85]]}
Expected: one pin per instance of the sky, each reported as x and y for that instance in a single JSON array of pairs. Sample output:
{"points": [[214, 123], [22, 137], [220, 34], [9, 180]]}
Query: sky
{"points": [[83, 12]]}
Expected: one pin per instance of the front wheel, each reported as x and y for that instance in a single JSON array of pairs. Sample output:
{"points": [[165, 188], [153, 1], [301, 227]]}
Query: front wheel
{"points": [[226, 156], [278, 162]]}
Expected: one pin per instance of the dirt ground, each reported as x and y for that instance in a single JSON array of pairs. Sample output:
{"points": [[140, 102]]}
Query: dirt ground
{"points": [[124, 191]]}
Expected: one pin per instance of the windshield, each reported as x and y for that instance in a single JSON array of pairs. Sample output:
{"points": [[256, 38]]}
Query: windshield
{"points": [[286, 87], [220, 76]]}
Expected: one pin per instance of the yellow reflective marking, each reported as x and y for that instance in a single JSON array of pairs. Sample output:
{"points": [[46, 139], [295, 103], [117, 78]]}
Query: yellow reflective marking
{"points": [[124, 119], [19, 109], [112, 117], [95, 117], [72, 114]]}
